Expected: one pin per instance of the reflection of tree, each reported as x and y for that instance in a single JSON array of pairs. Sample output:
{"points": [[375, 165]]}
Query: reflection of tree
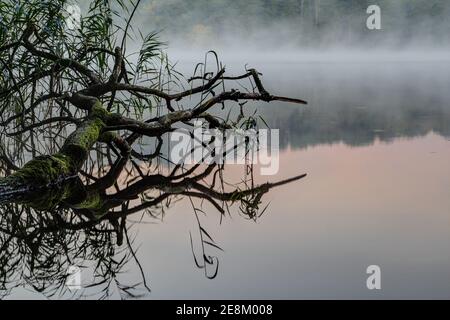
{"points": [[357, 126], [43, 233]]}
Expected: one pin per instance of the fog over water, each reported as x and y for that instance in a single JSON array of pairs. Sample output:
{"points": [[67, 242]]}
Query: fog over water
{"points": [[374, 140], [290, 25]]}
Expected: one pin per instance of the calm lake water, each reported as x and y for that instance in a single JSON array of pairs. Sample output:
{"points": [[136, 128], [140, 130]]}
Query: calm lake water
{"points": [[375, 143]]}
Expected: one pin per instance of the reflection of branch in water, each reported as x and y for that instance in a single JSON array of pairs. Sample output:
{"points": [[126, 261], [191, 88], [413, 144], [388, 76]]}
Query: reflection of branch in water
{"points": [[207, 260], [42, 234], [38, 247]]}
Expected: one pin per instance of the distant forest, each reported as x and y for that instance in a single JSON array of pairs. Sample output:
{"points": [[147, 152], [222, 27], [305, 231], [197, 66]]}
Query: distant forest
{"points": [[300, 22]]}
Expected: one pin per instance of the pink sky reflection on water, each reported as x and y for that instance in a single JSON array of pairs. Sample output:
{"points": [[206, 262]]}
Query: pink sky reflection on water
{"points": [[385, 204]]}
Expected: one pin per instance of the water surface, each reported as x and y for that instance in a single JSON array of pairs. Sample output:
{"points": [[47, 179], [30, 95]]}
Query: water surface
{"points": [[375, 143]]}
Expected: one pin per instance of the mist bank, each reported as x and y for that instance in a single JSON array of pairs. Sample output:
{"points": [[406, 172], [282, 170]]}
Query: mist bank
{"points": [[238, 56], [306, 24]]}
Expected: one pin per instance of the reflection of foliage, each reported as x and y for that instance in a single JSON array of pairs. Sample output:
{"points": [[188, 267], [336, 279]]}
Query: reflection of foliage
{"points": [[37, 247], [206, 262]]}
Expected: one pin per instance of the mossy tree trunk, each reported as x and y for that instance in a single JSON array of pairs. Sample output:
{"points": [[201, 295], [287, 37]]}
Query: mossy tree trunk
{"points": [[45, 171]]}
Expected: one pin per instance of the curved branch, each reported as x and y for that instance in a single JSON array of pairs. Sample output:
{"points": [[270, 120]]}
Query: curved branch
{"points": [[72, 64]]}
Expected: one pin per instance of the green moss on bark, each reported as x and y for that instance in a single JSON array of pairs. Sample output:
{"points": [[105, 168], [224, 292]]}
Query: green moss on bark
{"points": [[79, 143], [95, 202], [47, 170], [42, 171]]}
